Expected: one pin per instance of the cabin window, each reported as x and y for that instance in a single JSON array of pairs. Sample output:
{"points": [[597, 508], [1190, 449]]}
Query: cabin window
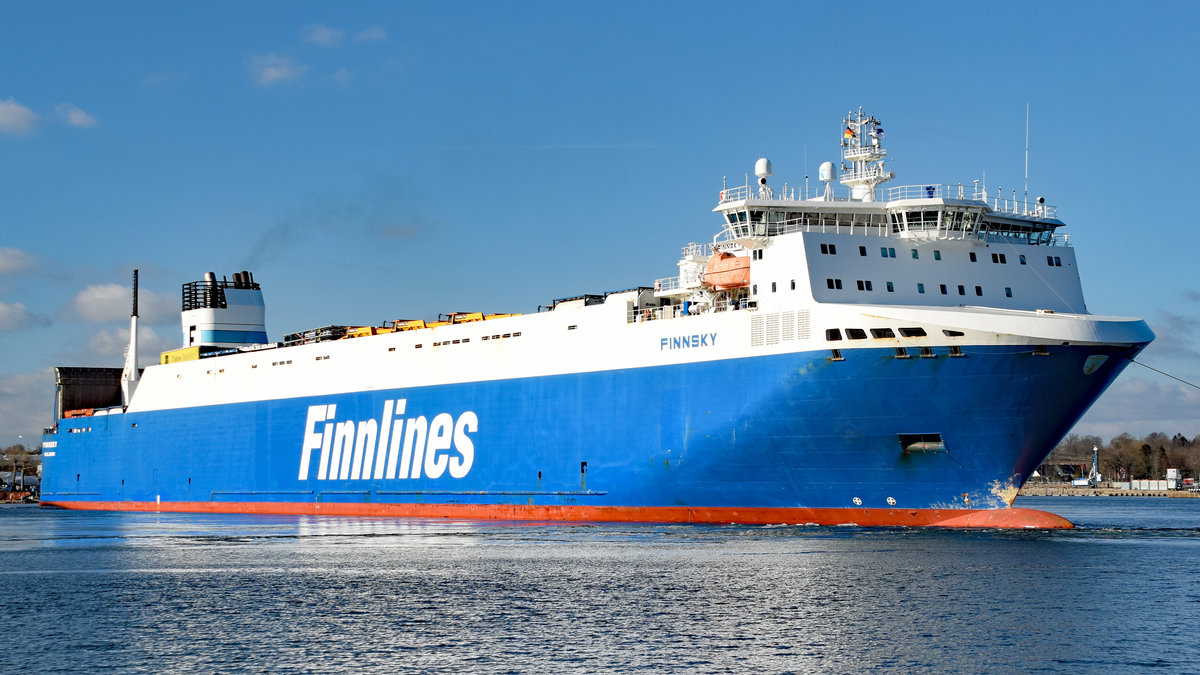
{"points": [[864, 285], [915, 255], [833, 334], [772, 286], [999, 258], [891, 288], [952, 333], [829, 249], [1008, 291], [881, 333], [962, 290], [862, 250], [937, 255], [1022, 259], [972, 256], [1054, 261], [887, 252], [920, 288], [793, 284], [834, 284], [754, 289], [913, 332], [979, 290], [856, 334], [943, 289]]}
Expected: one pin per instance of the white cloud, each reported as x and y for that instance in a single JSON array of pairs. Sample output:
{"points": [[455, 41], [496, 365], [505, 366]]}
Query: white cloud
{"points": [[326, 36], [14, 260], [273, 68], [112, 302], [1139, 406], [74, 115], [14, 316], [16, 118], [342, 76], [373, 34], [26, 406], [109, 345]]}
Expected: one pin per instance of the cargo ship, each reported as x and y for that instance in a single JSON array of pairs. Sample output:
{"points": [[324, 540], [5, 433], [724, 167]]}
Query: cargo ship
{"points": [[849, 354]]}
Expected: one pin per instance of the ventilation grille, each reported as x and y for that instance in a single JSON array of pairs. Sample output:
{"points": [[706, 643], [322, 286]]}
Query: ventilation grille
{"points": [[771, 329]]}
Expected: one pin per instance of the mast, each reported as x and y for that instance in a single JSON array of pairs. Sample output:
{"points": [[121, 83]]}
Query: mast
{"points": [[862, 147], [129, 377]]}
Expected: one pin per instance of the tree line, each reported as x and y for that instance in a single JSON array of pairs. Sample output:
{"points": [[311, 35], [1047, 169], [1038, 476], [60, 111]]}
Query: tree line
{"points": [[1126, 457]]}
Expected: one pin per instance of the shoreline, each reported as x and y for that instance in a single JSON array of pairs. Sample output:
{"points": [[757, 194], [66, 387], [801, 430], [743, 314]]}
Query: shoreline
{"points": [[1073, 491]]}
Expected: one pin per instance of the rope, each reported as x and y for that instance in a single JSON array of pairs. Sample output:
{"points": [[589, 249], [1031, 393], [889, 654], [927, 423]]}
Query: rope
{"points": [[1177, 379]]}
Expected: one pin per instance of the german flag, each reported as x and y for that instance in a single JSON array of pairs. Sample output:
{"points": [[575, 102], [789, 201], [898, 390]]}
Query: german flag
{"points": [[849, 133]]}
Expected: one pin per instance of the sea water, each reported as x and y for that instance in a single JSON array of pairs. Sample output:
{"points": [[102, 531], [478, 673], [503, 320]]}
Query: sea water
{"points": [[160, 592]]}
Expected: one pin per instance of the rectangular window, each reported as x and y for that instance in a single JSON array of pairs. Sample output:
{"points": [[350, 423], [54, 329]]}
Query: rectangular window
{"points": [[890, 287], [833, 334], [920, 288], [830, 249], [862, 250], [793, 284], [943, 289], [880, 333], [754, 289], [829, 283], [1003, 260], [979, 290], [1022, 259], [1050, 260], [1007, 291], [856, 334], [837, 283], [937, 255], [1057, 261], [972, 256], [915, 255], [913, 332], [962, 290], [772, 286]]}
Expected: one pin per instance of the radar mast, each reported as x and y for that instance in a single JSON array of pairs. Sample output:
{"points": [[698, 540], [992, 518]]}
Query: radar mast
{"points": [[862, 148]]}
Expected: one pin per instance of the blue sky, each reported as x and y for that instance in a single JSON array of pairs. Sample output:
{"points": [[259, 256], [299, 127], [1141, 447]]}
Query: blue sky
{"points": [[376, 160]]}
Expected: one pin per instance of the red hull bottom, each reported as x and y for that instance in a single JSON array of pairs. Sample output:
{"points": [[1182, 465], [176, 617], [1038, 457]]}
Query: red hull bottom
{"points": [[1010, 518]]}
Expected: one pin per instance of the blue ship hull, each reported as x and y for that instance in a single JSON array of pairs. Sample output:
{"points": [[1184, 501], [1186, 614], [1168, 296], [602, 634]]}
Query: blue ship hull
{"points": [[786, 438]]}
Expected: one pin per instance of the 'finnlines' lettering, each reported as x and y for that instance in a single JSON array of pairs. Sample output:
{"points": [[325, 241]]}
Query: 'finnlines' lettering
{"points": [[688, 341], [388, 448]]}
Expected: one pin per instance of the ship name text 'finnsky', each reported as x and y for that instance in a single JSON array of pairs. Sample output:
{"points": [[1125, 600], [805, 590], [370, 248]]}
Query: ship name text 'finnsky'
{"points": [[389, 448]]}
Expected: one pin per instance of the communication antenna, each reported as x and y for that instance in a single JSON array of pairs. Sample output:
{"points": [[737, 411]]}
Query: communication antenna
{"points": [[1027, 156]]}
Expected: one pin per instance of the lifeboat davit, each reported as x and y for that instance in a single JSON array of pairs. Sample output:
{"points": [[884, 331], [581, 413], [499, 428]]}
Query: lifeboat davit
{"points": [[726, 270]]}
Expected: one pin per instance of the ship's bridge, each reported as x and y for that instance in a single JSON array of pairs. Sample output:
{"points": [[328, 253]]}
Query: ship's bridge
{"points": [[754, 214]]}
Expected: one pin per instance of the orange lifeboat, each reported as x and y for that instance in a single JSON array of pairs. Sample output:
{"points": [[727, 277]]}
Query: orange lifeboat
{"points": [[726, 270]]}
